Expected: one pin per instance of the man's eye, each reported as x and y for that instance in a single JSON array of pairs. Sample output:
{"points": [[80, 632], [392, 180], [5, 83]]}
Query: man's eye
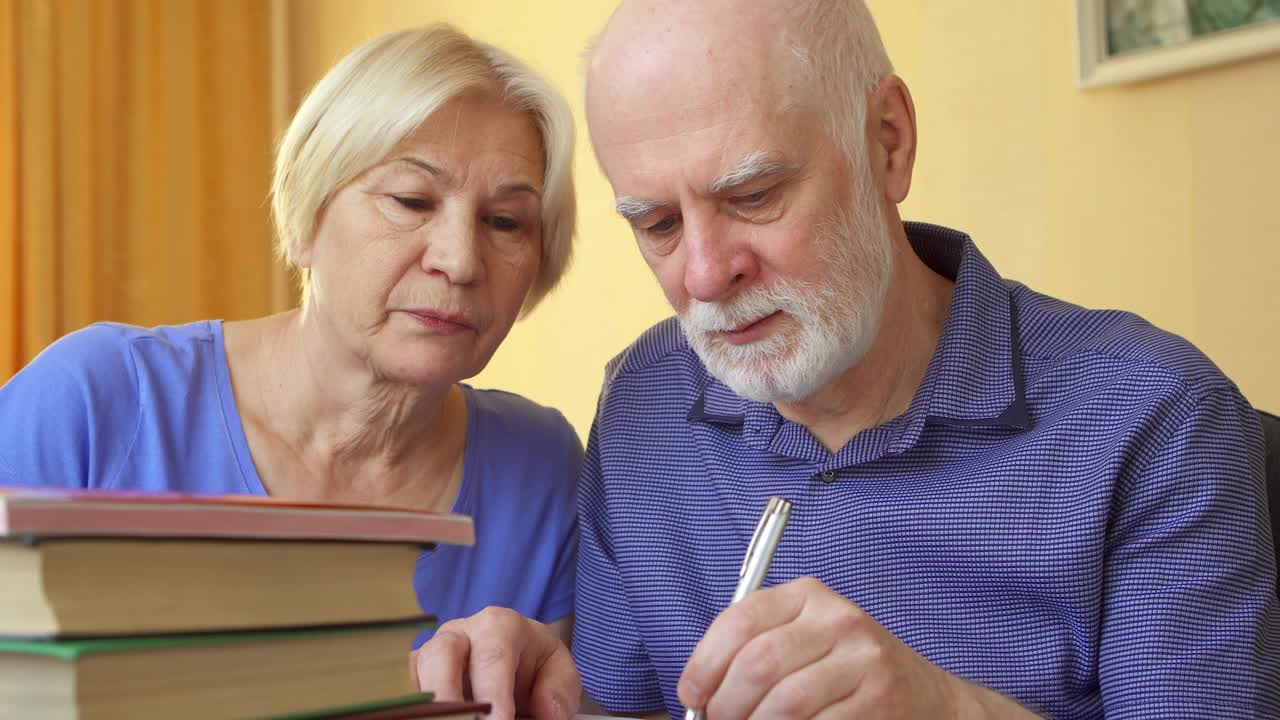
{"points": [[412, 203], [751, 199], [665, 225]]}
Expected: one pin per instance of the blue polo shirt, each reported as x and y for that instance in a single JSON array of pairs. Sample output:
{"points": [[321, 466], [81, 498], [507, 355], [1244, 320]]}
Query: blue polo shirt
{"points": [[1071, 512]]}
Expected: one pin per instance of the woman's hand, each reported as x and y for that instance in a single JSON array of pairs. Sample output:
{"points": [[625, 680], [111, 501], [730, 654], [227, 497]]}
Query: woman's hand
{"points": [[498, 656]]}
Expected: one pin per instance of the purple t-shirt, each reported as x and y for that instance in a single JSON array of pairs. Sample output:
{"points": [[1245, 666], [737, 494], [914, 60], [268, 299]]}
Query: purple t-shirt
{"points": [[126, 408]]}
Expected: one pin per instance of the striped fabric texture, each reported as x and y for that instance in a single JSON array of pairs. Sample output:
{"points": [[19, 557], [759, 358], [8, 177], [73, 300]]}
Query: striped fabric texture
{"points": [[1071, 512]]}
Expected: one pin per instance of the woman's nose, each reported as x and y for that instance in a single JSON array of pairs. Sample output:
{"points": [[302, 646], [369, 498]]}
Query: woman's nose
{"points": [[453, 246]]}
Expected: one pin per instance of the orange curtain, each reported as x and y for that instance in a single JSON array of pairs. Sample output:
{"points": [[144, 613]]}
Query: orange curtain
{"points": [[135, 154], [10, 329]]}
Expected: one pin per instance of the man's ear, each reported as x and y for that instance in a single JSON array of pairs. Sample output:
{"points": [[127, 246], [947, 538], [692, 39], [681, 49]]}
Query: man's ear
{"points": [[891, 126]]}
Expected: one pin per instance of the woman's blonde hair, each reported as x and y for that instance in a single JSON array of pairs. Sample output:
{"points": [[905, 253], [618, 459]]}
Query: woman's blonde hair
{"points": [[380, 93]]}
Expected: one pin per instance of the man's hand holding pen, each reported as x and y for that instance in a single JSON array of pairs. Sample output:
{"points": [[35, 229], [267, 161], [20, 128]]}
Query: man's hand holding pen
{"points": [[799, 650]]}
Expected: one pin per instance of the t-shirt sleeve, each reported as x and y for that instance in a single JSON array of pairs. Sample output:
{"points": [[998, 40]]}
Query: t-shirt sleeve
{"points": [[566, 458], [69, 417], [1190, 617], [607, 646]]}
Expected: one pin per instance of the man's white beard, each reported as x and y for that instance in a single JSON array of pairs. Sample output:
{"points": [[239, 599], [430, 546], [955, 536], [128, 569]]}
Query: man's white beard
{"points": [[828, 326]]}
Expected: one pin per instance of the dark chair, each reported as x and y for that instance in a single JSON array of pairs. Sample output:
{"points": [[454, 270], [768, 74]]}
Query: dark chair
{"points": [[1271, 434]]}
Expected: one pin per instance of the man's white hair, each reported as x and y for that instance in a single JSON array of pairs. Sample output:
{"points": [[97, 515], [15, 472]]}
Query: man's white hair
{"points": [[835, 49], [838, 53]]}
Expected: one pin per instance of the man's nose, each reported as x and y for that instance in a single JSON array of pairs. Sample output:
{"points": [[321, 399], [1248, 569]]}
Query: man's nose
{"points": [[715, 265]]}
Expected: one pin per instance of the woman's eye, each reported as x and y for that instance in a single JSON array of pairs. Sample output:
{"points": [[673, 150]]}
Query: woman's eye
{"points": [[503, 223], [412, 203]]}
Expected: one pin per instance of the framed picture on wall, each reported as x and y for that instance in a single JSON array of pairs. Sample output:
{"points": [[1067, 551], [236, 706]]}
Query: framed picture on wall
{"points": [[1128, 40]]}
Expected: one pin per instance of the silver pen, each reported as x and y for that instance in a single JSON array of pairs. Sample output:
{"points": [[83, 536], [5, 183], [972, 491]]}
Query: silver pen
{"points": [[755, 564]]}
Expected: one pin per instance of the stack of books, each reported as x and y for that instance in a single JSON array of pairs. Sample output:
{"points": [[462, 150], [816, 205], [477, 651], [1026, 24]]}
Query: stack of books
{"points": [[141, 606]]}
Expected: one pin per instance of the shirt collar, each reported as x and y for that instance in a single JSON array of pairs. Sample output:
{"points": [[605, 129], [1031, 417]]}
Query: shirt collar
{"points": [[974, 377]]}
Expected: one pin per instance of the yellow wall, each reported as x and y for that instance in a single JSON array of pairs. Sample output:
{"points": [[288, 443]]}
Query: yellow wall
{"points": [[1159, 198]]}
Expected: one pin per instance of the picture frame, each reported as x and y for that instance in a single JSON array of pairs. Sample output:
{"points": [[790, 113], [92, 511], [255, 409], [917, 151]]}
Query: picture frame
{"points": [[1122, 41]]}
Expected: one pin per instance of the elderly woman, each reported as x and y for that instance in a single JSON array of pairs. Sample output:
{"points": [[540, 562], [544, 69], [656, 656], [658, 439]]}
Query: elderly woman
{"points": [[423, 192]]}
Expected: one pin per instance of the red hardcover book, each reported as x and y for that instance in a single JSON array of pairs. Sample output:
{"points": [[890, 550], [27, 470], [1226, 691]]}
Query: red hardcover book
{"points": [[41, 512]]}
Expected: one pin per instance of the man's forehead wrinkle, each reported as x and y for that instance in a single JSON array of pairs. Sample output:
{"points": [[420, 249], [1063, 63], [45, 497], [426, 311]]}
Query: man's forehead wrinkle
{"points": [[737, 149], [644, 107], [670, 134], [727, 162], [639, 150]]}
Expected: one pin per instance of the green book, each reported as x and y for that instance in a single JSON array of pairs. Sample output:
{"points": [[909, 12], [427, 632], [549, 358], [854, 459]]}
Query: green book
{"points": [[217, 675]]}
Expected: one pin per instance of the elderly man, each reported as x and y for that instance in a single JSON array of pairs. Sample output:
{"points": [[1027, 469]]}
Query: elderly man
{"points": [[1004, 504]]}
